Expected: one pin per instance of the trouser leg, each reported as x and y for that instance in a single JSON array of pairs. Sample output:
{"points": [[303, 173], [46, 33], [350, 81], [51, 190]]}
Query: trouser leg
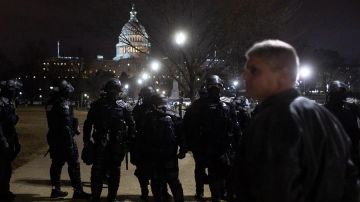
{"points": [[157, 183], [114, 180], [200, 173], [5, 176], [74, 170], [55, 172], [97, 175], [215, 182], [143, 179]]}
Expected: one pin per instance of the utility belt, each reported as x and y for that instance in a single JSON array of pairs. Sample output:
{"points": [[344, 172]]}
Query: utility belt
{"points": [[118, 136]]}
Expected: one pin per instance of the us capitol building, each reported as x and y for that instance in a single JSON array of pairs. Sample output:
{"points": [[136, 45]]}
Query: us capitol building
{"points": [[131, 56], [131, 51]]}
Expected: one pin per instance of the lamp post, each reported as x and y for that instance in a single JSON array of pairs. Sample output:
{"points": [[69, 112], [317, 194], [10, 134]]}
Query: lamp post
{"points": [[305, 73], [180, 39]]}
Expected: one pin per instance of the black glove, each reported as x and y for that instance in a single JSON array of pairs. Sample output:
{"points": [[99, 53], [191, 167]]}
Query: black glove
{"points": [[87, 154], [5, 152], [181, 154]]}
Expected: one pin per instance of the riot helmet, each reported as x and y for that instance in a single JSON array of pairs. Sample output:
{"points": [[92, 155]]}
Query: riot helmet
{"points": [[113, 88], [159, 102], [63, 88], [337, 92], [146, 92], [10, 88], [213, 86]]}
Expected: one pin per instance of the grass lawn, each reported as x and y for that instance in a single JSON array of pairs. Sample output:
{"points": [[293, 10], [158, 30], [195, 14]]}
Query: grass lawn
{"points": [[32, 129]]}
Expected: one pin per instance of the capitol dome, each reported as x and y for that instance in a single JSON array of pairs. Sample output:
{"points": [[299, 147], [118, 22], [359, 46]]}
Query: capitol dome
{"points": [[133, 39]]}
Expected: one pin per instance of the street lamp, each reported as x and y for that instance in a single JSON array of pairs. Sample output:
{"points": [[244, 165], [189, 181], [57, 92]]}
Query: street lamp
{"points": [[180, 38], [305, 73], [155, 65], [235, 83], [145, 76], [126, 86], [139, 81]]}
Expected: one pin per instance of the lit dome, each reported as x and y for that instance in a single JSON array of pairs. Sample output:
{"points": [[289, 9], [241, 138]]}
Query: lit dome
{"points": [[133, 39]]}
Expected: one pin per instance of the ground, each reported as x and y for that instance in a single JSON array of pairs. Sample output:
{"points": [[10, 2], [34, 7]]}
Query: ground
{"points": [[30, 179]]}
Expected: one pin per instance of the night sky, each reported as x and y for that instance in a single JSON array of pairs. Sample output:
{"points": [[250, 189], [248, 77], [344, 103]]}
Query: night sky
{"points": [[325, 24]]}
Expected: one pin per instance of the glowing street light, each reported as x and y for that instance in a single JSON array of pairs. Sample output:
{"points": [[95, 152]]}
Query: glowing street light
{"points": [[145, 76], [155, 65], [235, 83], [139, 81], [126, 86], [305, 71], [180, 38]]}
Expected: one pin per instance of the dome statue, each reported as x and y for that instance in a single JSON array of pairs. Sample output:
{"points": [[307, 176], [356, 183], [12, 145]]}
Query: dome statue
{"points": [[133, 39]]}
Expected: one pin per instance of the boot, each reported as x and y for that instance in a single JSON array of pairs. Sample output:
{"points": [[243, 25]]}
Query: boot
{"points": [[8, 196], [57, 193], [199, 196], [112, 200], [80, 194]]}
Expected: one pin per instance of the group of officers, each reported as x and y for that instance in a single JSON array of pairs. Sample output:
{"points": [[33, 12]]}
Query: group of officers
{"points": [[156, 138]]}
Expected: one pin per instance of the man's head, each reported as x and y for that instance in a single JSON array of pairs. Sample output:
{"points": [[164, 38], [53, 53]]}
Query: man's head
{"points": [[159, 102], [213, 84], [337, 92], [271, 67], [10, 88], [146, 92], [113, 88], [63, 88]]}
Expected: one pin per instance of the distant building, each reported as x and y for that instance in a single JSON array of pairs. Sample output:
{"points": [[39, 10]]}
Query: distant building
{"points": [[62, 67], [133, 39], [131, 51]]}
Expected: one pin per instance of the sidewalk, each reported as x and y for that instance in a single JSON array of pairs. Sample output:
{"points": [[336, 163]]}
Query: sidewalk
{"points": [[31, 182]]}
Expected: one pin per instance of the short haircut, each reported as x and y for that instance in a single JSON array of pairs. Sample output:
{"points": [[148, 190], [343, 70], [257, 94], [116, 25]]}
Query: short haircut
{"points": [[278, 54]]}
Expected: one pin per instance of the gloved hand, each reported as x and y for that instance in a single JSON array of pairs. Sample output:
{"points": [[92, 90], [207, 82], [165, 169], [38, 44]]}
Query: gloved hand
{"points": [[181, 154], [5, 152]]}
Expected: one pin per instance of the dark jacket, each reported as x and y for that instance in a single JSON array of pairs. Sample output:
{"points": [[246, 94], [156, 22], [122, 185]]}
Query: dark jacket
{"points": [[348, 114], [61, 123], [161, 136], [294, 151], [209, 127], [9, 141], [107, 116]]}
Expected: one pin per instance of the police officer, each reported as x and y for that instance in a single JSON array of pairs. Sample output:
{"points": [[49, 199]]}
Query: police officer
{"points": [[162, 135], [112, 124], [210, 136], [242, 113], [191, 132], [9, 142], [63, 126], [347, 113], [137, 157]]}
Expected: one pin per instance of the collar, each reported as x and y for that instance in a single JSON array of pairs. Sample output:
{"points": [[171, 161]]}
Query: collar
{"points": [[285, 96]]}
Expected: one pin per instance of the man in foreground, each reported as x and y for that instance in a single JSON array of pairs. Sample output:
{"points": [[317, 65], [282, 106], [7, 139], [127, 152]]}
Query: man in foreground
{"points": [[294, 149]]}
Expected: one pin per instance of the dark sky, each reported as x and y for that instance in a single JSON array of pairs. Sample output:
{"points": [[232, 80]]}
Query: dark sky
{"points": [[319, 23]]}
